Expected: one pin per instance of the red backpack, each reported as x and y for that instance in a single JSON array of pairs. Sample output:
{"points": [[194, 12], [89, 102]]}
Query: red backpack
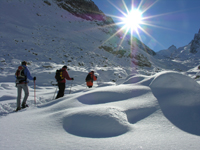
{"points": [[20, 73]]}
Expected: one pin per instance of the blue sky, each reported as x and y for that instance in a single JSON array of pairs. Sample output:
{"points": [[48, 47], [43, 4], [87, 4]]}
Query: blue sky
{"points": [[176, 21]]}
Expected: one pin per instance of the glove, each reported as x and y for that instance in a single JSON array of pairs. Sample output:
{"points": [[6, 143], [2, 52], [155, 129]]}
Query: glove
{"points": [[72, 78], [34, 78], [96, 76]]}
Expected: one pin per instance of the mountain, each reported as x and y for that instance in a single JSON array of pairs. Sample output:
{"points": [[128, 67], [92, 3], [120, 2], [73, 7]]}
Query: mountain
{"points": [[182, 58], [75, 33], [195, 44], [168, 53], [85, 9]]}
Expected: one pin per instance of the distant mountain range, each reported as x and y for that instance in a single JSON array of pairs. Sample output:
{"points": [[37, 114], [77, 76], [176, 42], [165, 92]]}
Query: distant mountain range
{"points": [[187, 55]]}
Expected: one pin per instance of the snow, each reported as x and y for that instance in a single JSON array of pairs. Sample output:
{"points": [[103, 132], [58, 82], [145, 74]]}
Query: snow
{"points": [[157, 112], [137, 111]]}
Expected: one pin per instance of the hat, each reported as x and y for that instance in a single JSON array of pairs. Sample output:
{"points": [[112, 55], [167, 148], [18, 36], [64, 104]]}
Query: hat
{"points": [[24, 63], [65, 67]]}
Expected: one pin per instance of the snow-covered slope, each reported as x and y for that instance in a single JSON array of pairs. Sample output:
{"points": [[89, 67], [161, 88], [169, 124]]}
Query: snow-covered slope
{"points": [[143, 112], [38, 31]]}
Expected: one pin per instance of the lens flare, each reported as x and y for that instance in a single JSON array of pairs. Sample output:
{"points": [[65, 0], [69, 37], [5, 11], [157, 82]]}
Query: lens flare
{"points": [[133, 19]]}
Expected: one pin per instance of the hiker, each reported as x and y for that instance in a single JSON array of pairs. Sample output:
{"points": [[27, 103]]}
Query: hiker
{"points": [[90, 78], [198, 73], [61, 82], [21, 76]]}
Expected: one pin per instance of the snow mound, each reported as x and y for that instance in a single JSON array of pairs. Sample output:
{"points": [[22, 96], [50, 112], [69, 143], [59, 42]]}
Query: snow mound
{"points": [[96, 123], [174, 80], [173, 83], [105, 95], [178, 96]]}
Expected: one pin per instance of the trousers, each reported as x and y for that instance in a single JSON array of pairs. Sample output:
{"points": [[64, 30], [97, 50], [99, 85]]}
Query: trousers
{"points": [[19, 93], [61, 87]]}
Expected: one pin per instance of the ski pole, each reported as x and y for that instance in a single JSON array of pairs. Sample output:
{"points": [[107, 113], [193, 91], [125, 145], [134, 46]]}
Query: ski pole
{"points": [[70, 87], [55, 93], [34, 92]]}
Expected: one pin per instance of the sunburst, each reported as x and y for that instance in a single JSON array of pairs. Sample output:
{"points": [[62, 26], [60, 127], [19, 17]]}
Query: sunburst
{"points": [[134, 21]]}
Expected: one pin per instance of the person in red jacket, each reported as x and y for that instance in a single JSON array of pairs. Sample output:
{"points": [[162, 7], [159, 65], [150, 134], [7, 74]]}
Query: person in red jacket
{"points": [[92, 78], [61, 84]]}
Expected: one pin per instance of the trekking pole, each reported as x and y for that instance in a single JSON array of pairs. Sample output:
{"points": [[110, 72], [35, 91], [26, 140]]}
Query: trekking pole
{"points": [[55, 93], [70, 87], [34, 92]]}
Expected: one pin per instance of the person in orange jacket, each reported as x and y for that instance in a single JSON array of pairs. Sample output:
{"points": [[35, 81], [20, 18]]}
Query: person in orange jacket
{"points": [[91, 77]]}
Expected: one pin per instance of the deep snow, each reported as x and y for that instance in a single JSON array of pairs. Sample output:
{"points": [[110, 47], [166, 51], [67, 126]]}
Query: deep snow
{"points": [[157, 112]]}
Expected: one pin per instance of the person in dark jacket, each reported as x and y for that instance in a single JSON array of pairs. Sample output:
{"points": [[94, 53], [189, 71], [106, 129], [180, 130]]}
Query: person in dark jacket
{"points": [[61, 84], [93, 78], [22, 83]]}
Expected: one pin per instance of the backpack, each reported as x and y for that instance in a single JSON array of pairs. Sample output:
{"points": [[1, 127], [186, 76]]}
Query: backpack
{"points": [[20, 74], [59, 75], [88, 78]]}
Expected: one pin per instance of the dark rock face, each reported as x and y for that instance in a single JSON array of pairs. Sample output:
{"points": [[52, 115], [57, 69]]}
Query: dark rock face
{"points": [[85, 9], [140, 60], [195, 44]]}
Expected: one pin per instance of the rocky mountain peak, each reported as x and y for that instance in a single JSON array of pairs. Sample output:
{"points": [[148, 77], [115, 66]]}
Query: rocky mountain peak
{"points": [[172, 48], [195, 44]]}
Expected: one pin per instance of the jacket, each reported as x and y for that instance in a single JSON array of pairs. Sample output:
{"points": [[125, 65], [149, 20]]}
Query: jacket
{"points": [[65, 75], [90, 83]]}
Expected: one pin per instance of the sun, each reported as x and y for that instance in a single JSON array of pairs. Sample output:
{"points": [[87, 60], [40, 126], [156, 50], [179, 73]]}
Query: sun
{"points": [[133, 19]]}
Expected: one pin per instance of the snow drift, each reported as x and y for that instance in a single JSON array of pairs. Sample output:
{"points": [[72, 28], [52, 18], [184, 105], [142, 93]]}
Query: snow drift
{"points": [[178, 96], [144, 111]]}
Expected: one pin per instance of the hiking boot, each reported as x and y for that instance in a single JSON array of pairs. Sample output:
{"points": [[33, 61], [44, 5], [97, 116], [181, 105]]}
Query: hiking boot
{"points": [[24, 105], [18, 108]]}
